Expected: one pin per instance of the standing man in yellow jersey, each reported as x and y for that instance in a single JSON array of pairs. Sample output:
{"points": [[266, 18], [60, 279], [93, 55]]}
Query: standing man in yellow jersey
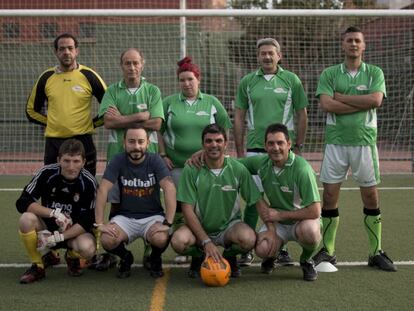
{"points": [[61, 100]]}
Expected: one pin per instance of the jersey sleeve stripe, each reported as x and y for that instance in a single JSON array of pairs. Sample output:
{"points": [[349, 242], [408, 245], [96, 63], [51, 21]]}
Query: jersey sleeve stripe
{"points": [[38, 100]]}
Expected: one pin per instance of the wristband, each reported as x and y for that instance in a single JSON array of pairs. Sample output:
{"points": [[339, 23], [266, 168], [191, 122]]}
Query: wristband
{"points": [[166, 223], [205, 242], [97, 225]]}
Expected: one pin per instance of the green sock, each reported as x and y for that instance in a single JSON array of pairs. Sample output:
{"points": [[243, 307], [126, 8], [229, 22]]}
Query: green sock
{"points": [[307, 252], [147, 249], [233, 250], [330, 223], [372, 222], [251, 216], [193, 251]]}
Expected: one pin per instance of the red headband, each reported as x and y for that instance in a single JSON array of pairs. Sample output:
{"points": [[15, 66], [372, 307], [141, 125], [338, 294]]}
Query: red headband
{"points": [[186, 65]]}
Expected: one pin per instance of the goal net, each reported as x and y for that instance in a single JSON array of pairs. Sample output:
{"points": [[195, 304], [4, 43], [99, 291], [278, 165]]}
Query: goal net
{"points": [[223, 46]]}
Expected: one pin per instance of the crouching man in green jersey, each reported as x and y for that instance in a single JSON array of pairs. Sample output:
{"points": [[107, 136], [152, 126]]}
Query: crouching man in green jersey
{"points": [[210, 205], [290, 185]]}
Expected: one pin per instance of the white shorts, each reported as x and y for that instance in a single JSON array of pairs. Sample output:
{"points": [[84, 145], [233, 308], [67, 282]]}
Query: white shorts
{"points": [[284, 232], [218, 238], [256, 178], [363, 161], [136, 228]]}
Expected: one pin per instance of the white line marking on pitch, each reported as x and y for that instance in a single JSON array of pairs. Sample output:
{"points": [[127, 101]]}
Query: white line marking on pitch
{"points": [[344, 263]]}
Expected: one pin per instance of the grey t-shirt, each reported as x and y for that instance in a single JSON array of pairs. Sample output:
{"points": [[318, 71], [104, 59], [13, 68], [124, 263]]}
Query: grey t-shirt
{"points": [[139, 184]]}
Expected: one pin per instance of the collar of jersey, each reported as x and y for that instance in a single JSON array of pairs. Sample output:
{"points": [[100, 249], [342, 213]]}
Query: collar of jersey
{"points": [[289, 161], [122, 85], [183, 98], [260, 72], [362, 68], [58, 70], [224, 164]]}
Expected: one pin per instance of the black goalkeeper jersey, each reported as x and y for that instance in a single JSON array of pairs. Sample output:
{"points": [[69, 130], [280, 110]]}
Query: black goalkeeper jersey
{"points": [[76, 197]]}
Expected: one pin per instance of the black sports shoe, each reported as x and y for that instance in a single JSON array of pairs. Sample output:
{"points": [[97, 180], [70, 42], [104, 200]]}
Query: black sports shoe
{"points": [[74, 267], [156, 267], [195, 265], [124, 268], [102, 262], [309, 271], [283, 258], [33, 274], [382, 261], [246, 259], [50, 259], [268, 265], [323, 255], [234, 266]]}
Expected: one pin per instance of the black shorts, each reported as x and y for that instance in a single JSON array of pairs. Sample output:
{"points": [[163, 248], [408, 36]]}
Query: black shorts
{"points": [[53, 144]]}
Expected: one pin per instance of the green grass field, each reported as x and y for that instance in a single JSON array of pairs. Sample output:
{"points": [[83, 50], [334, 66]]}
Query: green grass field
{"points": [[354, 287]]}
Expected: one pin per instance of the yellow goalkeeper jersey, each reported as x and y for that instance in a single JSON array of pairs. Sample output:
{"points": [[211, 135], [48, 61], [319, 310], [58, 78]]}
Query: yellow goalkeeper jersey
{"points": [[62, 101]]}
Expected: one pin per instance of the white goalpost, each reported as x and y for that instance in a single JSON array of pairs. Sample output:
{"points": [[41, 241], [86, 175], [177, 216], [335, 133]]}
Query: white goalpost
{"points": [[222, 42]]}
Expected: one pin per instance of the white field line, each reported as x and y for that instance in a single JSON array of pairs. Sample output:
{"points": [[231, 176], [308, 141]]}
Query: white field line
{"points": [[344, 263], [343, 188]]}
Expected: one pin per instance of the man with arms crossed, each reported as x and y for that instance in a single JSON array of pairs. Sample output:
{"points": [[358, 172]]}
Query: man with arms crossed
{"points": [[131, 102], [268, 95], [65, 215], [139, 176], [350, 94]]}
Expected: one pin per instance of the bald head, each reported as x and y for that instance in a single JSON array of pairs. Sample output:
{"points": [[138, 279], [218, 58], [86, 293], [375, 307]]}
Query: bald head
{"points": [[132, 51]]}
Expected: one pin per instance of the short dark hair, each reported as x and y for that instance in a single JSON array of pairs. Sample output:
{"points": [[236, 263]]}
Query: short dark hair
{"points": [[139, 126], [132, 49], [276, 128], [72, 147], [65, 35], [349, 30], [213, 129]]}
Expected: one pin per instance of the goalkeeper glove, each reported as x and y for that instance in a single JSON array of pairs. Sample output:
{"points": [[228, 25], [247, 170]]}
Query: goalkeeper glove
{"points": [[45, 239], [62, 220]]}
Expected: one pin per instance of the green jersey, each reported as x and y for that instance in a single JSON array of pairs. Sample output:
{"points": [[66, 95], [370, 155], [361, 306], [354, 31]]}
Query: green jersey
{"points": [[357, 128], [269, 101], [215, 193], [147, 97], [185, 121], [288, 188]]}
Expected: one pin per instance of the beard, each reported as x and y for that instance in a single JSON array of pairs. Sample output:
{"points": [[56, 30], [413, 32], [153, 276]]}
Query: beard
{"points": [[135, 155]]}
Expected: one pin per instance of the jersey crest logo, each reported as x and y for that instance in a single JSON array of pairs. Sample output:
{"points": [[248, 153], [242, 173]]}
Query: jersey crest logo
{"points": [[142, 106], [279, 90], [76, 197], [228, 188], [362, 87], [78, 88], [202, 113], [285, 189]]}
